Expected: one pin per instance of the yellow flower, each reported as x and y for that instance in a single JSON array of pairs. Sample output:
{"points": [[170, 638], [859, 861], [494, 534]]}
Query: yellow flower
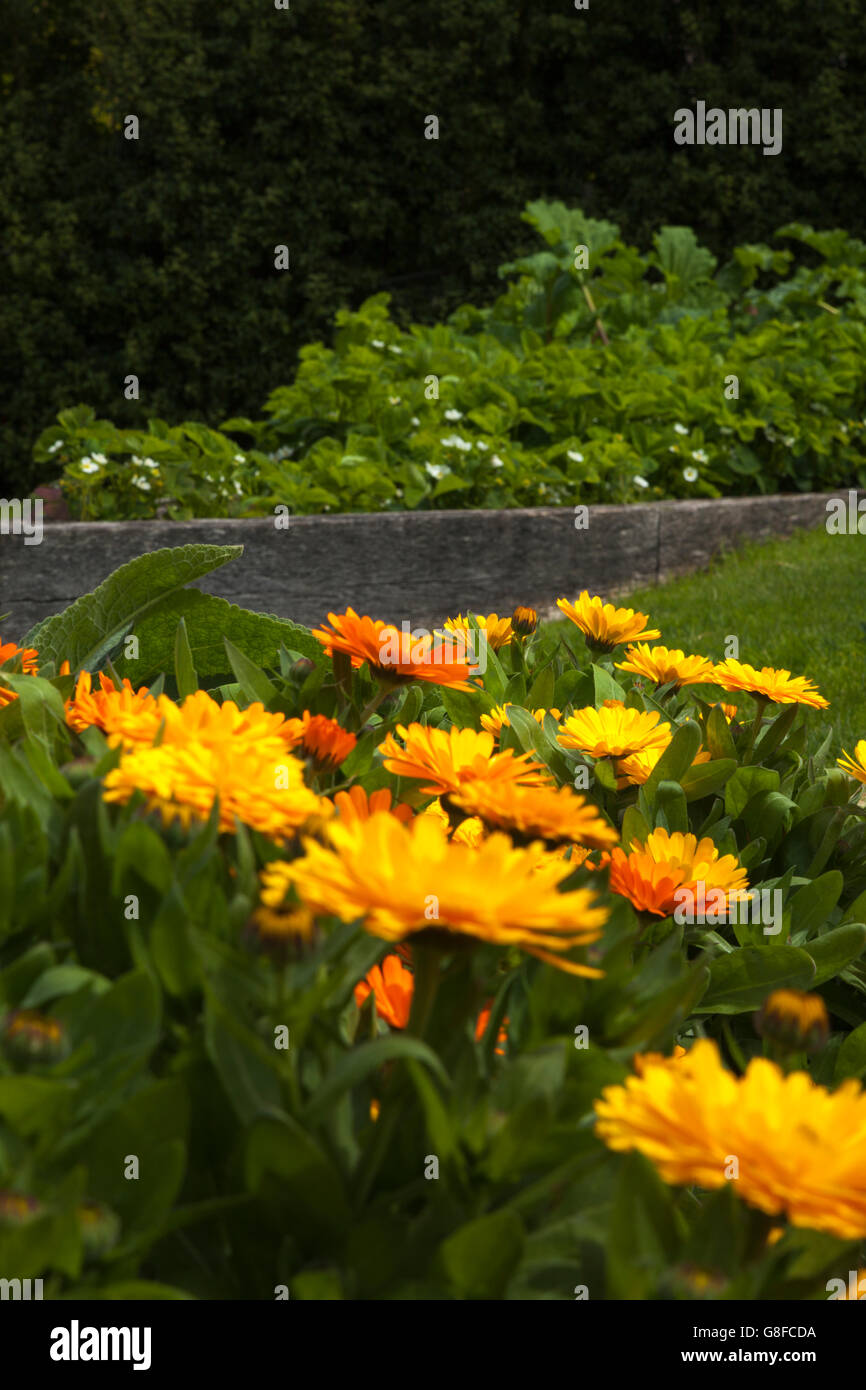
{"points": [[634, 770], [29, 666], [445, 759], [556, 815], [498, 631], [404, 879], [201, 719], [469, 832], [855, 766], [524, 621], [127, 717], [664, 664], [788, 1145], [614, 730], [777, 686], [183, 781], [498, 717], [794, 1020], [604, 625]]}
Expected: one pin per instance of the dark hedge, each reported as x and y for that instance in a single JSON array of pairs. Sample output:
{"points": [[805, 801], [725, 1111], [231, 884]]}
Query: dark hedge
{"points": [[261, 126]]}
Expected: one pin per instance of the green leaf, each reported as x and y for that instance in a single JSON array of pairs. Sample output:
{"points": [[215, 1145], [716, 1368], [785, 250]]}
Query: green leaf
{"points": [[831, 953], [741, 980], [249, 1080], [746, 783], [851, 1057], [705, 779], [606, 688], [479, 1259], [88, 630], [811, 906], [671, 803], [250, 677], [644, 1235], [286, 1167], [675, 761], [355, 1066], [720, 744], [185, 675]]}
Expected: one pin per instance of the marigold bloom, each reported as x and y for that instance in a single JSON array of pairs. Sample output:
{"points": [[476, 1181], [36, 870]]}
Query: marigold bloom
{"points": [[498, 716], [470, 831], [524, 621], [800, 1149], [777, 686], [604, 625], [203, 720], [327, 742], [634, 770], [395, 657], [127, 717], [614, 731], [391, 985], [664, 664], [651, 875], [276, 928], [556, 815], [498, 631], [29, 666], [729, 711], [356, 804], [446, 758], [855, 766], [794, 1020], [182, 781], [400, 880]]}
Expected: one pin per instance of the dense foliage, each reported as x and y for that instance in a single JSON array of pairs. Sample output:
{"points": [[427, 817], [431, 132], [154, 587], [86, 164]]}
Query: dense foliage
{"points": [[600, 375], [306, 127]]}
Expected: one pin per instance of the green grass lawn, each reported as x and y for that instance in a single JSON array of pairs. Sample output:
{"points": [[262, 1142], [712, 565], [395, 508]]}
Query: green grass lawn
{"points": [[798, 604]]}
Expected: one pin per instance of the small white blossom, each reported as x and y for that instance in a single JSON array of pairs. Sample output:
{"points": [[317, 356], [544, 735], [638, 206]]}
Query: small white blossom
{"points": [[148, 463], [437, 470], [141, 482], [52, 448], [497, 461], [479, 444], [99, 458], [89, 466], [240, 458], [392, 348], [454, 415], [394, 400], [673, 448], [639, 481], [680, 429], [415, 420], [453, 441], [690, 474], [699, 456], [574, 456], [238, 489], [376, 342]]}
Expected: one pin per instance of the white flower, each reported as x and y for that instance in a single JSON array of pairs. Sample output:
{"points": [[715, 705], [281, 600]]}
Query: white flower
{"points": [[725, 429], [148, 463], [140, 482], [574, 456], [453, 441], [699, 456], [680, 429], [789, 438], [415, 420], [843, 428], [497, 461], [690, 474], [240, 458], [376, 342], [437, 470], [454, 415], [52, 448], [99, 458], [392, 348], [89, 466], [673, 448], [394, 400], [238, 489], [639, 481]]}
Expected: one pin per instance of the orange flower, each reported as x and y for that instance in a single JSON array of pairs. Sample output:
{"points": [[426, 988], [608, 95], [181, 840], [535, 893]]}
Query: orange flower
{"points": [[603, 625], [395, 657], [355, 804], [29, 658], [556, 815], [448, 758], [391, 986], [481, 1029], [129, 718], [328, 743], [778, 687], [664, 664], [653, 872]]}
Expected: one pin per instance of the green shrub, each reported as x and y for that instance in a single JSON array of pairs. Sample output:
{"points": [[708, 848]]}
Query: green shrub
{"points": [[575, 386]]}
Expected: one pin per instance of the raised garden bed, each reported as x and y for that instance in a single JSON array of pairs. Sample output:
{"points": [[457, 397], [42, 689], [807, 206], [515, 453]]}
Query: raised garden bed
{"points": [[420, 566]]}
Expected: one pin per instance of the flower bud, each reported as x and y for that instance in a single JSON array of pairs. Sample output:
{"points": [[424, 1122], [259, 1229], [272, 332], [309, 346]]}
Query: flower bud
{"points": [[794, 1021]]}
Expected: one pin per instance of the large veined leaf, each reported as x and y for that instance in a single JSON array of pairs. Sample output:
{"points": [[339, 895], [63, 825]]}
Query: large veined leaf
{"points": [[208, 621], [679, 253], [88, 630]]}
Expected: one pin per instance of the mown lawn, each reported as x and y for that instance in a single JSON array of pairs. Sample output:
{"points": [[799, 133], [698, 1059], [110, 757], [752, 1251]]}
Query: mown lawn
{"points": [[798, 604]]}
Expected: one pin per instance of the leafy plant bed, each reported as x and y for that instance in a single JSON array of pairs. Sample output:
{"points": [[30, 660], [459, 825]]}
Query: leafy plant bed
{"points": [[334, 973], [417, 566]]}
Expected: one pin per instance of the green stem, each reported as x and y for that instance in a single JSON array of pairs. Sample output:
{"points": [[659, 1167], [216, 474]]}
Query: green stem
{"points": [[374, 704], [761, 702]]}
